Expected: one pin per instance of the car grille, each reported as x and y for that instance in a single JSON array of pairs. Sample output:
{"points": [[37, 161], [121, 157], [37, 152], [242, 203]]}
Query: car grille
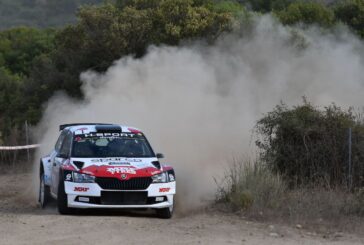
{"points": [[141, 183], [124, 198], [109, 199]]}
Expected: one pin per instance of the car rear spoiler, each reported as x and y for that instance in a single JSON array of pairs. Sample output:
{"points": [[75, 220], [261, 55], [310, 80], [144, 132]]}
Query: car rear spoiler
{"points": [[63, 126]]}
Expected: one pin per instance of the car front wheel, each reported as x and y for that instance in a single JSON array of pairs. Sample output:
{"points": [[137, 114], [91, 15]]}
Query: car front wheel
{"points": [[165, 213], [62, 202]]}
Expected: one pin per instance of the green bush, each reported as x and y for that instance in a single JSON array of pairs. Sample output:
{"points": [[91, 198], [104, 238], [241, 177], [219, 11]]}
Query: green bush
{"points": [[309, 146], [351, 12], [307, 13], [108, 32]]}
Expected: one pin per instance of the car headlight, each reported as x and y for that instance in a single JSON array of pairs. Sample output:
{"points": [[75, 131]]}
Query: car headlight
{"points": [[160, 178], [83, 178]]}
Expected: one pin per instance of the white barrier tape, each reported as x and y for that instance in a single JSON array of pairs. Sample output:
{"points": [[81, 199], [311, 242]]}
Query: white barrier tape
{"points": [[21, 147]]}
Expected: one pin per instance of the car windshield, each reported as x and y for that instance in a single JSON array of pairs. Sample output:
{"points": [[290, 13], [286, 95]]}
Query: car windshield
{"points": [[111, 145]]}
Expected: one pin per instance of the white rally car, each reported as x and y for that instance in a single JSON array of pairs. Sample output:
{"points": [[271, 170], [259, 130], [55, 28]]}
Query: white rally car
{"points": [[105, 166]]}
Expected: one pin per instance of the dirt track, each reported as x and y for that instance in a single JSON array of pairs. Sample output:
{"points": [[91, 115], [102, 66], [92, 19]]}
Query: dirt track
{"points": [[22, 222]]}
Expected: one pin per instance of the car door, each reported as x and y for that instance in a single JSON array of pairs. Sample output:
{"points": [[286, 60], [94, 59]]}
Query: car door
{"points": [[53, 155], [62, 155]]}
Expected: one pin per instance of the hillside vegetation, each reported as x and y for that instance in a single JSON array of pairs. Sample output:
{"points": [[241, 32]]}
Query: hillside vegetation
{"points": [[35, 63]]}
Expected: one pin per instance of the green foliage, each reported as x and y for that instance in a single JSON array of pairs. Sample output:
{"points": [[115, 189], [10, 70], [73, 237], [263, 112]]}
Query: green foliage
{"points": [[228, 7], [35, 63], [45, 61], [351, 12], [19, 50], [107, 32], [265, 6], [308, 145], [11, 104], [307, 13], [19, 46]]}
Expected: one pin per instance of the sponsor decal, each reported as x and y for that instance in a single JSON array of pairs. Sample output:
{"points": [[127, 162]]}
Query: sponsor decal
{"points": [[121, 170], [164, 189], [105, 159], [111, 135], [81, 189], [134, 160], [119, 163], [171, 177], [68, 177], [81, 131], [116, 160]]}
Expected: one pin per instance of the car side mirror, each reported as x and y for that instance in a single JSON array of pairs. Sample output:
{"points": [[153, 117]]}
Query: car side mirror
{"points": [[159, 155]]}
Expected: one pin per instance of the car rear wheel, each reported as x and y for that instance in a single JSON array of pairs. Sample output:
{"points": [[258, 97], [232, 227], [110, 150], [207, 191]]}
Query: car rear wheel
{"points": [[44, 192], [62, 202]]}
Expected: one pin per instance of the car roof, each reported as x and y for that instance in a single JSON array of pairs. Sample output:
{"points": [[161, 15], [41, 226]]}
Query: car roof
{"points": [[90, 127]]}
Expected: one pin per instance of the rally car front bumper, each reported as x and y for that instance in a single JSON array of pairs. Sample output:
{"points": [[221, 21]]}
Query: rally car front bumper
{"points": [[91, 195]]}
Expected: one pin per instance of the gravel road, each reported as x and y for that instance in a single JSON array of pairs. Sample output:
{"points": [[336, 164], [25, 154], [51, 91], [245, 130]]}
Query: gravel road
{"points": [[22, 222]]}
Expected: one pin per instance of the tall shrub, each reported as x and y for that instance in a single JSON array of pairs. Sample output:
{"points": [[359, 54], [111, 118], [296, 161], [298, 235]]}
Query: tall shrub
{"points": [[309, 145]]}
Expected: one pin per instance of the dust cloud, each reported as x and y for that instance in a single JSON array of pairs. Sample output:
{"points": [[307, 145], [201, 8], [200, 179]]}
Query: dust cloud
{"points": [[198, 104]]}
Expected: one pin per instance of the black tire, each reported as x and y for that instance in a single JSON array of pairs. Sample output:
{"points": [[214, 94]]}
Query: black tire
{"points": [[44, 192], [165, 213], [62, 202]]}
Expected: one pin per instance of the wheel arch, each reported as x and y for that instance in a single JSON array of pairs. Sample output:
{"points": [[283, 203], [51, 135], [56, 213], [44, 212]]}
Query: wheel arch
{"points": [[46, 169]]}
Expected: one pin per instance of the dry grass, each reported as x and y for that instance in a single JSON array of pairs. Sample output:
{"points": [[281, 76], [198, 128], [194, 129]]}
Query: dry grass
{"points": [[252, 188], [249, 185]]}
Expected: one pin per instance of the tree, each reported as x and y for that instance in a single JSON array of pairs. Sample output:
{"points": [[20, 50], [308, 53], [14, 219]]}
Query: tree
{"points": [[307, 13], [19, 46], [351, 12], [35, 63], [309, 145], [11, 103], [107, 32], [19, 49]]}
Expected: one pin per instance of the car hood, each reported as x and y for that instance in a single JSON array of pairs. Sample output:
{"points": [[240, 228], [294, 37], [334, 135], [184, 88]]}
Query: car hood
{"points": [[122, 168]]}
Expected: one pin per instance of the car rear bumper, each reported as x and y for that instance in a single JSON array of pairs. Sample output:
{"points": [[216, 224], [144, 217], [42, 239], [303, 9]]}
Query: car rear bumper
{"points": [[91, 195]]}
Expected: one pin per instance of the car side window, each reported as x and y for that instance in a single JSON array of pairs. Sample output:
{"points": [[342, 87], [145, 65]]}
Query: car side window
{"points": [[66, 145], [58, 145]]}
